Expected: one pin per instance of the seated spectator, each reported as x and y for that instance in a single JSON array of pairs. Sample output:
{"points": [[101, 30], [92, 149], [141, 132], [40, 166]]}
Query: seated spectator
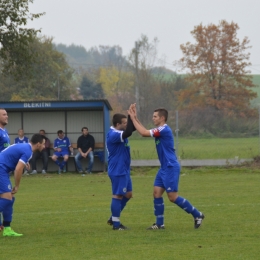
{"points": [[61, 149], [21, 138], [85, 145], [44, 154]]}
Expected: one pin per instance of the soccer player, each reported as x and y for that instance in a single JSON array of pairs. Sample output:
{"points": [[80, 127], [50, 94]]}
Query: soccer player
{"points": [[61, 149], [167, 178], [14, 158], [21, 138], [4, 142], [119, 166]]}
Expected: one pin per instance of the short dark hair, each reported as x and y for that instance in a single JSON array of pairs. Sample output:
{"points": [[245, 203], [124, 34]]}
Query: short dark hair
{"points": [[84, 127], [59, 132], [117, 119], [37, 138], [162, 112], [42, 131]]}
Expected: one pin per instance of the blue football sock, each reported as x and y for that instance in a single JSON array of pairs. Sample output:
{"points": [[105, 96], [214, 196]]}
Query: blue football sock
{"points": [[57, 162], [185, 205], [5, 204], [159, 210], [123, 202], [8, 214], [116, 209], [62, 164]]}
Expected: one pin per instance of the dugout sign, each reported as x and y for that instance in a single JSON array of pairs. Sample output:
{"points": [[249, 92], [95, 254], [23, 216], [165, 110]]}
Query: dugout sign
{"points": [[33, 105]]}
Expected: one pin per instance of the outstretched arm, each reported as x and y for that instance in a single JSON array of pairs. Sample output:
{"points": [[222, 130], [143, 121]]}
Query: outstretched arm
{"points": [[17, 176], [139, 127], [129, 128]]}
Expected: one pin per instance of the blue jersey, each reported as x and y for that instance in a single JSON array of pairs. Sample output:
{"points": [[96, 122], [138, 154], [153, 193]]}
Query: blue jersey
{"points": [[10, 156], [118, 153], [18, 140], [63, 144], [4, 139], [164, 145]]}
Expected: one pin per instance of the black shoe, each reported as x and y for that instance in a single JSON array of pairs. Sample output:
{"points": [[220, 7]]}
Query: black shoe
{"points": [[198, 221], [155, 226], [121, 227], [110, 222]]}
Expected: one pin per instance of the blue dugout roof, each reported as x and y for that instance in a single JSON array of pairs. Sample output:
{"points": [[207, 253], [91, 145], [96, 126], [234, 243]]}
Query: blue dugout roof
{"points": [[91, 104]]}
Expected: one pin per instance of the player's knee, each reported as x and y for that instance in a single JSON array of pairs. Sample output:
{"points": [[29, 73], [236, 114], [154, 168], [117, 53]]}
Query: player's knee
{"points": [[118, 197], [7, 195], [172, 196], [129, 195], [157, 194]]}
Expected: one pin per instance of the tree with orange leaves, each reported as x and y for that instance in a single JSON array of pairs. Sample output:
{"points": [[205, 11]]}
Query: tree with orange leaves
{"points": [[218, 76]]}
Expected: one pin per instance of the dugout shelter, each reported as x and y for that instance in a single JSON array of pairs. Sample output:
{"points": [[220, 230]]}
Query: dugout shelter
{"points": [[69, 116]]}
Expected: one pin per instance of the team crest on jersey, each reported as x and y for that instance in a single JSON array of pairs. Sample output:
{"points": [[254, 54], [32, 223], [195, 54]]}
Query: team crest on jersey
{"points": [[9, 187], [64, 141], [124, 189], [157, 142]]}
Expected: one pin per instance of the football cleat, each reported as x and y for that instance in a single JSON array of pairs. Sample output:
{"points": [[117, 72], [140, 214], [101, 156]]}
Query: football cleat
{"points": [[198, 221], [8, 232], [110, 222], [34, 172], [121, 227], [155, 226]]}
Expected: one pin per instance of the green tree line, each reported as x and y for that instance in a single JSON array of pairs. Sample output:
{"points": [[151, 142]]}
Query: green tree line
{"points": [[213, 98]]}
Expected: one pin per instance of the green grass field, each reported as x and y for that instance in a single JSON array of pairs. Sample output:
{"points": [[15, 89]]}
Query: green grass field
{"points": [[199, 148], [64, 217]]}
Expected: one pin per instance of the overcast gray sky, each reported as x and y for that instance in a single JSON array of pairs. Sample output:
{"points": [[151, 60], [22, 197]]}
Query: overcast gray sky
{"points": [[121, 22]]}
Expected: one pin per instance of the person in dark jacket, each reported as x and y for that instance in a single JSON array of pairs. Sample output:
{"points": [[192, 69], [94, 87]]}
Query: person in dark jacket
{"points": [[85, 145], [44, 154]]}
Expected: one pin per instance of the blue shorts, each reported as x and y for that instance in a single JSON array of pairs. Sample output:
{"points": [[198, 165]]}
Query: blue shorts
{"points": [[61, 153], [121, 184], [5, 183], [168, 178]]}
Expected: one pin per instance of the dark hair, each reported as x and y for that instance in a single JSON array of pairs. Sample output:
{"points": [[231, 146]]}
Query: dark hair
{"points": [[59, 132], [84, 127], [37, 138], [117, 119], [162, 112], [42, 131]]}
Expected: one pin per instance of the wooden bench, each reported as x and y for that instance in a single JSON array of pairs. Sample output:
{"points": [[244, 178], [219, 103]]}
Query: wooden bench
{"points": [[98, 147]]}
